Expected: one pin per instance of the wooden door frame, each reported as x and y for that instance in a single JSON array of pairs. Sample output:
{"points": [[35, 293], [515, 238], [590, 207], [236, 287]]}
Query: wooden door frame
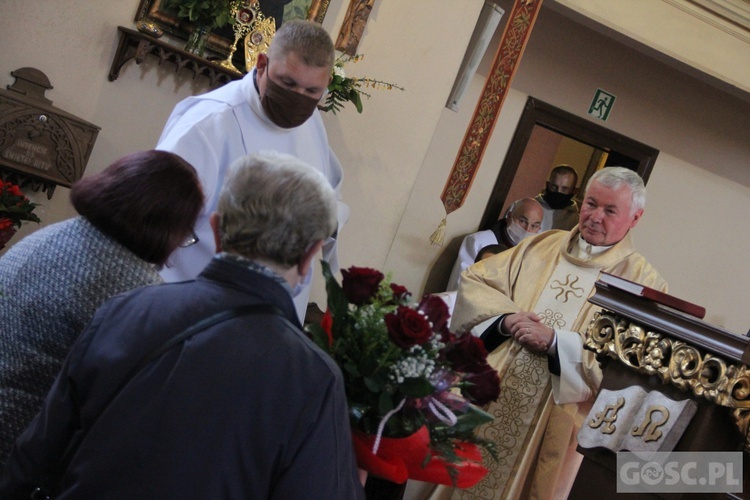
{"points": [[540, 113]]}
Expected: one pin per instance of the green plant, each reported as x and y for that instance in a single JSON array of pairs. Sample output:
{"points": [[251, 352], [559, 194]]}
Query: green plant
{"points": [[343, 89], [211, 13]]}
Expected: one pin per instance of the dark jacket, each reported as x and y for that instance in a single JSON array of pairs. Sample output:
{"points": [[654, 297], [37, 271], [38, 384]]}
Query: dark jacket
{"points": [[52, 282], [249, 408]]}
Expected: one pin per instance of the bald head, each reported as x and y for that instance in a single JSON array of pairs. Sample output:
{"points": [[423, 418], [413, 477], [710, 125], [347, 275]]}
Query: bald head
{"points": [[528, 214]]}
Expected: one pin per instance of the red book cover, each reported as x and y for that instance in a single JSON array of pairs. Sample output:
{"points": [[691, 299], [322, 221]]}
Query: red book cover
{"points": [[652, 294]]}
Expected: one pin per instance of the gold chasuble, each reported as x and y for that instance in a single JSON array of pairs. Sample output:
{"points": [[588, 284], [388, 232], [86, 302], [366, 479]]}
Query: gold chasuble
{"points": [[535, 437]]}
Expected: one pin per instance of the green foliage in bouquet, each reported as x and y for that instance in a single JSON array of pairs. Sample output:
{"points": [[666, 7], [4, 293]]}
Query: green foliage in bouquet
{"points": [[403, 369], [343, 89]]}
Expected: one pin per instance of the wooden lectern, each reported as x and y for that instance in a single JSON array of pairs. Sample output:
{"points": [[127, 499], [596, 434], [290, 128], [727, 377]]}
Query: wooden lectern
{"points": [[639, 341]]}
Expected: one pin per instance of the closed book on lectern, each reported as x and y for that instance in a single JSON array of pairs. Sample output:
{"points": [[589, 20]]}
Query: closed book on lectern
{"points": [[652, 294]]}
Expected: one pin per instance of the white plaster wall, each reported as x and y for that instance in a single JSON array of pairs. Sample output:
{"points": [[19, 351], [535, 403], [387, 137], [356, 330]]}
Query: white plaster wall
{"points": [[383, 149], [679, 29], [696, 233]]}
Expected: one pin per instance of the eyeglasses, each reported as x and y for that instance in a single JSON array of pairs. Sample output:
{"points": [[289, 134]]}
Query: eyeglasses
{"points": [[190, 240]]}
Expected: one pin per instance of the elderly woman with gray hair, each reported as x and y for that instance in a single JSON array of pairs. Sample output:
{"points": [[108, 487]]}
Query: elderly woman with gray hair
{"points": [[206, 388]]}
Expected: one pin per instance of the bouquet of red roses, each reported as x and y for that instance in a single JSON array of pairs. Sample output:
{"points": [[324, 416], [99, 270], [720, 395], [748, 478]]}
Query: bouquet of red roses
{"points": [[413, 387], [14, 208]]}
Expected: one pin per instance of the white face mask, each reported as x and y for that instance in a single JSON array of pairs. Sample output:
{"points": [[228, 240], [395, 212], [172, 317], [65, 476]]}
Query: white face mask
{"points": [[517, 233]]}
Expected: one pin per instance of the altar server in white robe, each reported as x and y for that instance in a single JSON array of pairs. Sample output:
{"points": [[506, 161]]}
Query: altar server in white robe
{"points": [[529, 304], [272, 108], [523, 219]]}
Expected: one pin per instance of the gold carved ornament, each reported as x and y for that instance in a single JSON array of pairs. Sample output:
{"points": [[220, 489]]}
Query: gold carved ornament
{"points": [[673, 361], [608, 417], [648, 429], [258, 40], [353, 26], [246, 13]]}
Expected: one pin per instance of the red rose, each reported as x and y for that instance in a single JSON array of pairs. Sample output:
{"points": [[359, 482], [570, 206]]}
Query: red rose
{"points": [[327, 325], [14, 190], [399, 292], [467, 354], [5, 223], [407, 327], [484, 386], [360, 284], [436, 311]]}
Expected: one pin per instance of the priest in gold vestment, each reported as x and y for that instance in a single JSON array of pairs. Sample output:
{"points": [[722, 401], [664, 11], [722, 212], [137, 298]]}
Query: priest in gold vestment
{"points": [[529, 305]]}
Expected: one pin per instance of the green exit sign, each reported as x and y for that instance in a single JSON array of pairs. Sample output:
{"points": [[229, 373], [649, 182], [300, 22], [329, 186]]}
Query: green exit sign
{"points": [[601, 105]]}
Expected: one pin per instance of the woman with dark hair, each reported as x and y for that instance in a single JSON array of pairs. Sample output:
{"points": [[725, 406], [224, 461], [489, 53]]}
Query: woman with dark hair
{"points": [[133, 215]]}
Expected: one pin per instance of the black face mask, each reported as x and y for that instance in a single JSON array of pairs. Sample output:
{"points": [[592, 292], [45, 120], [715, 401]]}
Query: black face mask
{"points": [[556, 201], [285, 108]]}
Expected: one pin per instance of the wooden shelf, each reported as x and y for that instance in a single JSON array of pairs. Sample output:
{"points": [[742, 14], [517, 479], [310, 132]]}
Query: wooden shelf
{"points": [[136, 45]]}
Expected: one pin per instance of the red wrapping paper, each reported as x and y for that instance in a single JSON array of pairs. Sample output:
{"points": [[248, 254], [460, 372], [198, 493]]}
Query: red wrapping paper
{"points": [[399, 459]]}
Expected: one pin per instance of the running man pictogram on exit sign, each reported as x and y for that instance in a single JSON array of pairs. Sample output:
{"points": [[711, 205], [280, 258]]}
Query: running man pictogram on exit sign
{"points": [[601, 105]]}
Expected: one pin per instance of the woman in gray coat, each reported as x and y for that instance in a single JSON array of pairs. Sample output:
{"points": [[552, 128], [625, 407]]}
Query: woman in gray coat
{"points": [[132, 216]]}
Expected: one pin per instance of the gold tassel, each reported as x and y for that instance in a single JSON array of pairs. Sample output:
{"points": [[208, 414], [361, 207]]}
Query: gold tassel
{"points": [[438, 237]]}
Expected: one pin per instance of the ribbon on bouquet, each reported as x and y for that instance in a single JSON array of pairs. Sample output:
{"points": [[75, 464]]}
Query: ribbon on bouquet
{"points": [[437, 408], [381, 426], [399, 459], [442, 412]]}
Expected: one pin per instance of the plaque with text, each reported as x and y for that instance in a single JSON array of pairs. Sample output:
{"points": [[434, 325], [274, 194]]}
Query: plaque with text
{"points": [[39, 140]]}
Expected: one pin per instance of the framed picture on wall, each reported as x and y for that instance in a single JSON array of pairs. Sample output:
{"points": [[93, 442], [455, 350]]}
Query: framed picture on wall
{"points": [[221, 40]]}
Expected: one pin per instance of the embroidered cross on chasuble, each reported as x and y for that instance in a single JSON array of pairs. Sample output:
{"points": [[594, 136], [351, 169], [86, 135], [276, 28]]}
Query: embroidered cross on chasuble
{"points": [[525, 395], [566, 292]]}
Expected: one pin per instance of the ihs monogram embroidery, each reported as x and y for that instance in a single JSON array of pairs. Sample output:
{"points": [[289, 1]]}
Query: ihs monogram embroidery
{"points": [[568, 288]]}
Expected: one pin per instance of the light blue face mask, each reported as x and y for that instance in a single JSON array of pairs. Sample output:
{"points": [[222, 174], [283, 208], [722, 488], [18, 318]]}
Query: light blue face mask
{"points": [[297, 289]]}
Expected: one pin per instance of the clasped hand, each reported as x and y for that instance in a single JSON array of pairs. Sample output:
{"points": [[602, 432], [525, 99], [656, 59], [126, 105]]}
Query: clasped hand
{"points": [[529, 331]]}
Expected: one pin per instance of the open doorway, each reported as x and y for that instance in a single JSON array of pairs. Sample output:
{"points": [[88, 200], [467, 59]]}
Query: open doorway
{"points": [[547, 136]]}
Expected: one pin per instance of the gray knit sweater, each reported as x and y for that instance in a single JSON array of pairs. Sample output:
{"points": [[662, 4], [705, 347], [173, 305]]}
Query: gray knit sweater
{"points": [[51, 283]]}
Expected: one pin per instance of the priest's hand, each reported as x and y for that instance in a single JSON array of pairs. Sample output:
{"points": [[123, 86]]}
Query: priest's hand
{"points": [[529, 331]]}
